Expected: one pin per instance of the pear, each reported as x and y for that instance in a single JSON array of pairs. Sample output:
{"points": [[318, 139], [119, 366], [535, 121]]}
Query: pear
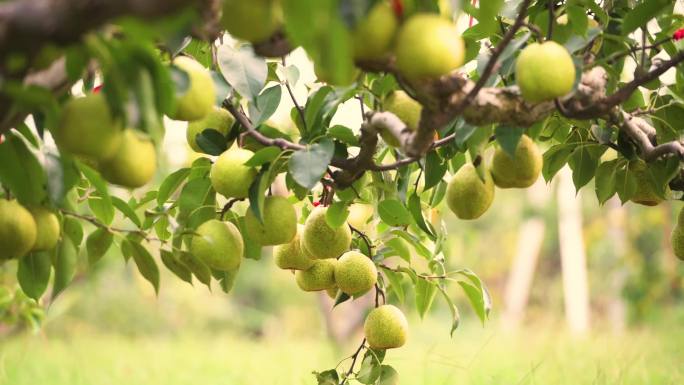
{"points": [[229, 175], [279, 223], [373, 35], [87, 128], [406, 109], [199, 97], [332, 292], [218, 119], [359, 215], [133, 164], [255, 21], [320, 276], [355, 273], [544, 72], [428, 46], [386, 328], [290, 255], [646, 193], [47, 229], [18, 230], [521, 170], [677, 238], [322, 241], [218, 244], [467, 195]]}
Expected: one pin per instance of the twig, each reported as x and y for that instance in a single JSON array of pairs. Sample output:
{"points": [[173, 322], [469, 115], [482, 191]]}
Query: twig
{"points": [[111, 229], [228, 206], [299, 108], [355, 356]]}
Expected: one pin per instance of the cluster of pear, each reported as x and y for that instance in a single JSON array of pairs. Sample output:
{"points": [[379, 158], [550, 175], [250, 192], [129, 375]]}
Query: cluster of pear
{"points": [[470, 192], [88, 130], [25, 230]]}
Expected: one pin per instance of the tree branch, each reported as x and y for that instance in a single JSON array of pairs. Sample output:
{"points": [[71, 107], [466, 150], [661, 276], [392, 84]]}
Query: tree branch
{"points": [[641, 132]]}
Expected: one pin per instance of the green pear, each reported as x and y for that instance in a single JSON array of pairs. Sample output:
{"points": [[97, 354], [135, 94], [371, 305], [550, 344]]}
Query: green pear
{"points": [[218, 119], [18, 230], [355, 273], [677, 239], [359, 216], [279, 223], [199, 97], [229, 175], [428, 46], [386, 328], [373, 35], [646, 193], [320, 276], [290, 255], [521, 170], [406, 109], [218, 244], [255, 21], [133, 164], [323, 241], [87, 128], [467, 195], [544, 72], [47, 229]]}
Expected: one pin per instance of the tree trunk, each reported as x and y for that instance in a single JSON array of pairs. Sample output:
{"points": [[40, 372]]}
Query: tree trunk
{"points": [[573, 258]]}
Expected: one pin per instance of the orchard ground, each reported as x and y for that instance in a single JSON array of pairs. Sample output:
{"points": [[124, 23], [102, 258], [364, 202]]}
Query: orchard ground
{"points": [[537, 355]]}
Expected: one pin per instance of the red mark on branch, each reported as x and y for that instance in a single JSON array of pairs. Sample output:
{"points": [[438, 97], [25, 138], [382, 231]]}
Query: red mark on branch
{"points": [[97, 89], [678, 35], [2, 138], [470, 21], [398, 8], [317, 203]]}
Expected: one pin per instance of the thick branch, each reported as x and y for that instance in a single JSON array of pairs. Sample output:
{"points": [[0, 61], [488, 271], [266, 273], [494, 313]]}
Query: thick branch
{"points": [[640, 131]]}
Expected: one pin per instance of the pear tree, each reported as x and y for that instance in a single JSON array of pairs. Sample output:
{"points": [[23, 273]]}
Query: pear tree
{"points": [[450, 111]]}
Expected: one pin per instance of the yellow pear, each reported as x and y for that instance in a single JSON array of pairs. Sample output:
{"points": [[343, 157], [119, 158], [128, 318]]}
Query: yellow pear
{"points": [[373, 35], [355, 273], [47, 229], [279, 223], [218, 244], [290, 255], [229, 175], [646, 193], [386, 327], [322, 241], [218, 119], [406, 109], [198, 99], [544, 72], [320, 276], [467, 195], [428, 46], [17, 230], [359, 215], [332, 292], [255, 21], [521, 170], [87, 128], [133, 164]]}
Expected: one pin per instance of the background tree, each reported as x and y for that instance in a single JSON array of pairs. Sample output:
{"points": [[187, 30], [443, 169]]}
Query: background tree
{"points": [[449, 114]]}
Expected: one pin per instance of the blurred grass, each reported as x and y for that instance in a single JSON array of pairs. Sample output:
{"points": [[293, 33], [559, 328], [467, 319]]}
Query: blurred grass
{"points": [[475, 356]]}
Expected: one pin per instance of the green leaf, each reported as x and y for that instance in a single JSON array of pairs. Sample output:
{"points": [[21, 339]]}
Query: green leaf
{"points": [[97, 244], [33, 274], [211, 142], [337, 214], [126, 210], [308, 166], [65, 266], [584, 161], [625, 183], [477, 294], [388, 376], [369, 372], [242, 69], [263, 156], [642, 14], [396, 286], [416, 209], [435, 168], [398, 247], [394, 213], [171, 184], [226, 279], [455, 315], [21, 172], [343, 134], [425, 295], [554, 159], [256, 192], [605, 180], [508, 138], [61, 176], [265, 105], [328, 377], [197, 267], [415, 242], [73, 229], [101, 202], [175, 266], [146, 265]]}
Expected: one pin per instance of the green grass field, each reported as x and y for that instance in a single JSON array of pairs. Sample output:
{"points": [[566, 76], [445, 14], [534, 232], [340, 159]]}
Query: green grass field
{"points": [[475, 356]]}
